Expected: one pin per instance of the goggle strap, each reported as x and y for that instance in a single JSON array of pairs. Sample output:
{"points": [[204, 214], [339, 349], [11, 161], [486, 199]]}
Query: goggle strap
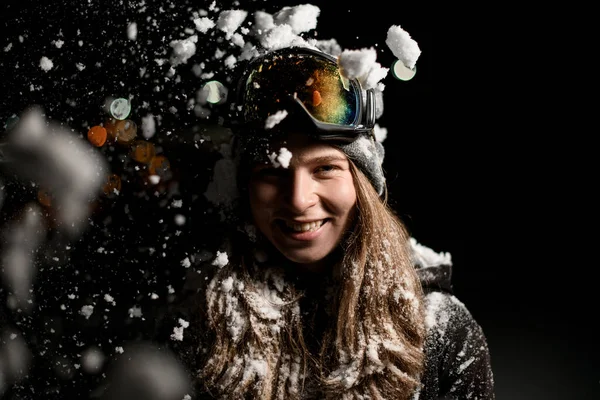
{"points": [[370, 107]]}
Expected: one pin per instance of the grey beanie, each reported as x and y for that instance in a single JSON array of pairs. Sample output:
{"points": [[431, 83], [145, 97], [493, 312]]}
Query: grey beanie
{"points": [[367, 153]]}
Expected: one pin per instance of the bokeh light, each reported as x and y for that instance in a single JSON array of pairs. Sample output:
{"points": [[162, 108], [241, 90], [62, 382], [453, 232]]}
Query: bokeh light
{"points": [[402, 72], [213, 92], [120, 108]]}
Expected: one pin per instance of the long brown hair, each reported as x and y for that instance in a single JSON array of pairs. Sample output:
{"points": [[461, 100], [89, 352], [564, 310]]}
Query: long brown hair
{"points": [[374, 345]]}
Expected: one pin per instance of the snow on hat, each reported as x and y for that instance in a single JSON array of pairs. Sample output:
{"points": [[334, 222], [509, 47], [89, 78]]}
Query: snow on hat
{"points": [[284, 30], [367, 154]]}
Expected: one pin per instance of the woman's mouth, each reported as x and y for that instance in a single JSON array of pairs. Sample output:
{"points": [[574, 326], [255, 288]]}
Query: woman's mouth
{"points": [[303, 230], [305, 226]]}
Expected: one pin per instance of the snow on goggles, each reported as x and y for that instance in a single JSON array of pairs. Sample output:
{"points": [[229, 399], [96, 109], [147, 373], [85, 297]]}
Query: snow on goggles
{"points": [[309, 82]]}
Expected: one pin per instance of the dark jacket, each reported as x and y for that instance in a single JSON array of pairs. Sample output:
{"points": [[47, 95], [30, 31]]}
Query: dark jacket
{"points": [[458, 359], [457, 356]]}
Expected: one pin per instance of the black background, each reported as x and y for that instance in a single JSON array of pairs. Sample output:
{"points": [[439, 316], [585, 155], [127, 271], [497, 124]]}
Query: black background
{"points": [[439, 147]]}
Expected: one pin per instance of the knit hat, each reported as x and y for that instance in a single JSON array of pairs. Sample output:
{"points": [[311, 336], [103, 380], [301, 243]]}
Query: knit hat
{"points": [[367, 153]]}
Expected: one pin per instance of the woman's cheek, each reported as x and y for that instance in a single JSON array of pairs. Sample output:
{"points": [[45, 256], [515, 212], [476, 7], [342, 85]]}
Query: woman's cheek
{"points": [[342, 195]]}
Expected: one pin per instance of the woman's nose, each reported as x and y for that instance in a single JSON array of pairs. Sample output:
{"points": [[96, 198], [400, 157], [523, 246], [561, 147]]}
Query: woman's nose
{"points": [[301, 191]]}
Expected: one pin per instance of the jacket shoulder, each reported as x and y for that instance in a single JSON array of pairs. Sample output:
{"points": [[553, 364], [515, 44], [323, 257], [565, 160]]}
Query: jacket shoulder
{"points": [[458, 358], [434, 269]]}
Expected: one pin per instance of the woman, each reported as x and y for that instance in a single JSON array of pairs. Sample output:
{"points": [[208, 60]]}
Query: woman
{"points": [[320, 292]]}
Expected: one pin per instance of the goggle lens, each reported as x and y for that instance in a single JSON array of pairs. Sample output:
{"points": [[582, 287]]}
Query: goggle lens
{"points": [[315, 81]]}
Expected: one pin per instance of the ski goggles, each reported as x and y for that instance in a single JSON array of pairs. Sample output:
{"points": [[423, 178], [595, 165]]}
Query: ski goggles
{"points": [[308, 83]]}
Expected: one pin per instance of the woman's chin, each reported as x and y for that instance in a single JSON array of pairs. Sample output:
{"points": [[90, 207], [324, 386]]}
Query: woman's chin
{"points": [[307, 261]]}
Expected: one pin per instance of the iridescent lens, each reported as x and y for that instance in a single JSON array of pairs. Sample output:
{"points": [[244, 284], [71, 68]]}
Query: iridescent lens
{"points": [[316, 81]]}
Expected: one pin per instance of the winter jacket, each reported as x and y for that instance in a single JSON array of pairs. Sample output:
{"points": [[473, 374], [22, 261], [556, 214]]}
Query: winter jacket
{"points": [[457, 356]]}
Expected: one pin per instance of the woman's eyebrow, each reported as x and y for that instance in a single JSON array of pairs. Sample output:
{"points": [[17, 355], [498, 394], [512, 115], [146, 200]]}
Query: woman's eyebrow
{"points": [[323, 159]]}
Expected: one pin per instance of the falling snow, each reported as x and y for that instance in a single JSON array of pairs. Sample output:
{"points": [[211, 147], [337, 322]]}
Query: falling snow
{"points": [[125, 202]]}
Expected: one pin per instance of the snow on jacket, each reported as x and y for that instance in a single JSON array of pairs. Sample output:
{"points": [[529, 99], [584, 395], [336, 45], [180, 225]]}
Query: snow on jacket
{"points": [[457, 356]]}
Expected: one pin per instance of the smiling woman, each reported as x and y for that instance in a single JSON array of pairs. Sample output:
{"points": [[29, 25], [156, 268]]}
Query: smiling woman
{"points": [[318, 289], [305, 209], [319, 292]]}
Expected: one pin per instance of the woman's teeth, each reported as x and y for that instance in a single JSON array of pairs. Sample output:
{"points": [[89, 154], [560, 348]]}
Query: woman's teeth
{"points": [[309, 226]]}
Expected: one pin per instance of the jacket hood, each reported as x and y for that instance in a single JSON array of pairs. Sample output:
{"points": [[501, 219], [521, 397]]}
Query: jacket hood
{"points": [[434, 269]]}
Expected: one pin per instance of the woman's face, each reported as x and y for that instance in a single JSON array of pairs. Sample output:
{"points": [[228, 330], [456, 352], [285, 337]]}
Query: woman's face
{"points": [[305, 209]]}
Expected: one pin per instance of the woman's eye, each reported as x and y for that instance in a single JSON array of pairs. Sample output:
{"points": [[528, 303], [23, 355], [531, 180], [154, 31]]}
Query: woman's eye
{"points": [[326, 168]]}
